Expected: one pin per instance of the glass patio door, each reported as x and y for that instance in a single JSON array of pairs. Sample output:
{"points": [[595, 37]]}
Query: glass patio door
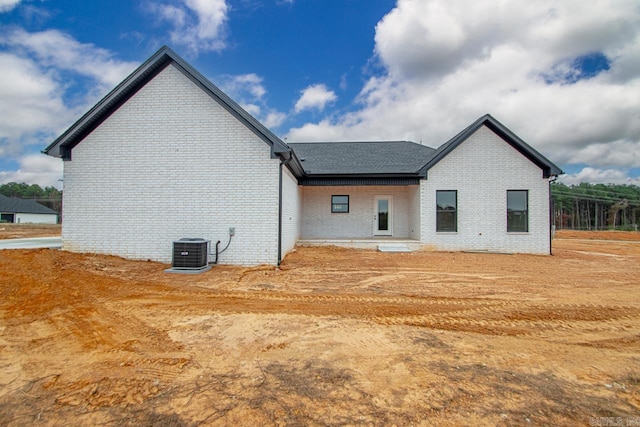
{"points": [[383, 216]]}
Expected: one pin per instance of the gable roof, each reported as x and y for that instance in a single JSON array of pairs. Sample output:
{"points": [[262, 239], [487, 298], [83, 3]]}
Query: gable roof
{"points": [[63, 145], [549, 169], [381, 158], [16, 205], [371, 159]]}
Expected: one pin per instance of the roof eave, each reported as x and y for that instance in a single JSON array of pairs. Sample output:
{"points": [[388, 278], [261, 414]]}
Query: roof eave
{"points": [[61, 146], [549, 168], [68, 139], [363, 175]]}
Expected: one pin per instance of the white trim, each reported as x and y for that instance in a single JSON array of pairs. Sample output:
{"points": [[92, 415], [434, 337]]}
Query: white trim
{"points": [[376, 231]]}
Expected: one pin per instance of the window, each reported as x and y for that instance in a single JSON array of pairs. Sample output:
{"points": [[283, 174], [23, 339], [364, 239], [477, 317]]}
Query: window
{"points": [[447, 210], [340, 204], [517, 210]]}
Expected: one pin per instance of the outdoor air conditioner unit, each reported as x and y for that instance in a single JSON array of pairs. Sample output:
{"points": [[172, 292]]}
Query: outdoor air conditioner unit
{"points": [[190, 254]]}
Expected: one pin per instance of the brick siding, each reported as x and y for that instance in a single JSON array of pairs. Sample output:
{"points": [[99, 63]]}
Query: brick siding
{"points": [[171, 163]]}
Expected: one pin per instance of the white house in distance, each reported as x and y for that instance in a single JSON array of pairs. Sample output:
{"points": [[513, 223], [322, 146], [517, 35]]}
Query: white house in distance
{"points": [[167, 155], [25, 211]]}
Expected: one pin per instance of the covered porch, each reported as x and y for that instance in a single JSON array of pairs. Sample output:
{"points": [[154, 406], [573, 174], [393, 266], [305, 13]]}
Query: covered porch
{"points": [[360, 215]]}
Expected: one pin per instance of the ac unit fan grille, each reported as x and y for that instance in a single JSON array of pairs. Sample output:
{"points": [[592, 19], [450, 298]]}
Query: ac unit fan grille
{"points": [[190, 254]]}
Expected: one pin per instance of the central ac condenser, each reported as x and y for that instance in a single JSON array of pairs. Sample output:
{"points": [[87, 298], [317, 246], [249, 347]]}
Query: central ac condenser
{"points": [[190, 254]]}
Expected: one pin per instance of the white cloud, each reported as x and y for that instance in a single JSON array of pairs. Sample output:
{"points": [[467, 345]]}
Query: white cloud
{"points": [[30, 101], [343, 82], [447, 63], [8, 5], [198, 25], [420, 38], [36, 169], [316, 96], [249, 91], [55, 49], [600, 176], [37, 72], [47, 79], [244, 85], [252, 109], [274, 118]]}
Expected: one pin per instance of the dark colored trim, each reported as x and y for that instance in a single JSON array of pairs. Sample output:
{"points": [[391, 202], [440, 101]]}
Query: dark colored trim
{"points": [[548, 168], [334, 203], [278, 147], [338, 181], [294, 164], [527, 211], [551, 220], [63, 145], [455, 212]]}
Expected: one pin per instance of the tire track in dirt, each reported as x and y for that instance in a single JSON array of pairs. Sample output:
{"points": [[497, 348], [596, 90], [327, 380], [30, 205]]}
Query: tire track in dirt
{"points": [[479, 315]]}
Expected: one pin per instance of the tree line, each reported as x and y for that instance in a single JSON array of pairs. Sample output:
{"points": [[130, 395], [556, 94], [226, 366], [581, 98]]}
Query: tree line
{"points": [[596, 206], [50, 197], [579, 207]]}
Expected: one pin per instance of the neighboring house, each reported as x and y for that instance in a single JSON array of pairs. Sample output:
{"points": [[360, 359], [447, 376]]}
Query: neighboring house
{"points": [[167, 155], [25, 211]]}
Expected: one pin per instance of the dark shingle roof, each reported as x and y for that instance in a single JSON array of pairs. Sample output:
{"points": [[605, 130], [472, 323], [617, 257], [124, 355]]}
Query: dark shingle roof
{"points": [[362, 158], [384, 158], [15, 205]]}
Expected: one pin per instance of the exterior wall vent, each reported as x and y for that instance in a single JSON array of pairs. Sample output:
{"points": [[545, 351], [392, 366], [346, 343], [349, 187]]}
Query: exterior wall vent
{"points": [[190, 254]]}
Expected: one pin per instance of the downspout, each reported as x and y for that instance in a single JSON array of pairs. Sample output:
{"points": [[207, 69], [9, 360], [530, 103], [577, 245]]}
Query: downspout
{"points": [[282, 162], [280, 213], [551, 217]]}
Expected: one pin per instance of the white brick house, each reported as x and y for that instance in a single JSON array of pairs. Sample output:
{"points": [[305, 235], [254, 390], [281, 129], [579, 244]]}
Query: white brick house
{"points": [[167, 155], [25, 211]]}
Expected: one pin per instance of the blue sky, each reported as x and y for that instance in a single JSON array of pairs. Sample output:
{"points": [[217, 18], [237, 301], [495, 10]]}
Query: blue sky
{"points": [[563, 77]]}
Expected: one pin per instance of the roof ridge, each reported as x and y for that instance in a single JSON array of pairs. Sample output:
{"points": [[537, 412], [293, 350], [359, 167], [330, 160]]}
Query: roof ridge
{"points": [[61, 146], [549, 168]]}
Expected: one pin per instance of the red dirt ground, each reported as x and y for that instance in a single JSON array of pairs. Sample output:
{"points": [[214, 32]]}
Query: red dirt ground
{"points": [[334, 337]]}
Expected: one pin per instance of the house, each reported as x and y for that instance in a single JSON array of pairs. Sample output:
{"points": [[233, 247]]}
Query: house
{"points": [[25, 211], [167, 155]]}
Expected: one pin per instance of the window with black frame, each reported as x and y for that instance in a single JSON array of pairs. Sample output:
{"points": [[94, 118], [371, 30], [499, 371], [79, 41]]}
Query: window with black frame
{"points": [[517, 211], [446, 211], [339, 204]]}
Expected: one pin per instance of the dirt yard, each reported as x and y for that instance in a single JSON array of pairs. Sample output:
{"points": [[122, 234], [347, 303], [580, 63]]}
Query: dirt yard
{"points": [[334, 337], [19, 231]]}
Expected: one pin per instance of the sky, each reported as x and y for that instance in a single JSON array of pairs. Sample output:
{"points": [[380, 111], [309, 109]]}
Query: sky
{"points": [[563, 75]]}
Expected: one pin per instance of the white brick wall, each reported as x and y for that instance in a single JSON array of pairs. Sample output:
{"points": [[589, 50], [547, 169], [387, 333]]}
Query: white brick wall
{"points": [[319, 223], [482, 169], [291, 210], [414, 212], [171, 163]]}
